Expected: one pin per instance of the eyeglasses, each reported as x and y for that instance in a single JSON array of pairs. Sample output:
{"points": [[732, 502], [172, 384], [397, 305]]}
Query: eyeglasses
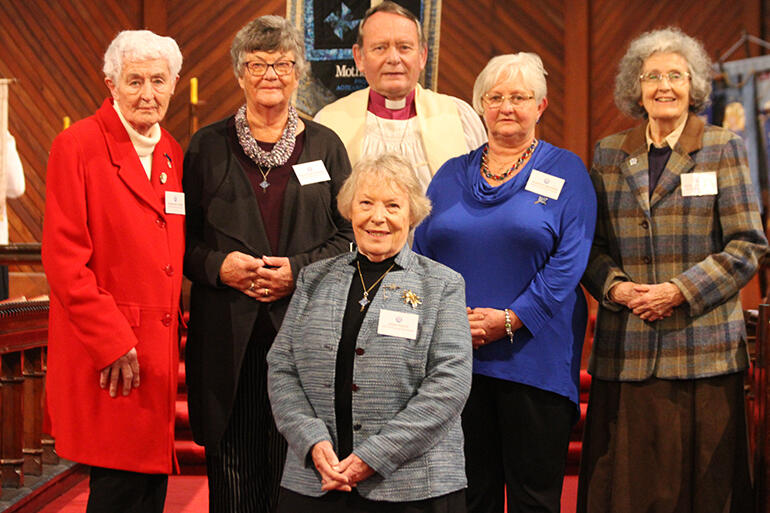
{"points": [[673, 77], [495, 101], [259, 68]]}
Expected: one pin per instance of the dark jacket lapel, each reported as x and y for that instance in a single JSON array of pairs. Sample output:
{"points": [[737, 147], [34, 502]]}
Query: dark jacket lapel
{"points": [[680, 161]]}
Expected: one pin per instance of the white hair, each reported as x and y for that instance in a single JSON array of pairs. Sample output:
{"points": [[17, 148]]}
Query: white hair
{"points": [[506, 67], [140, 45]]}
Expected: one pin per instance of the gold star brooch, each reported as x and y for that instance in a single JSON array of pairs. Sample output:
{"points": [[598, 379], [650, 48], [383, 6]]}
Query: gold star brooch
{"points": [[410, 298]]}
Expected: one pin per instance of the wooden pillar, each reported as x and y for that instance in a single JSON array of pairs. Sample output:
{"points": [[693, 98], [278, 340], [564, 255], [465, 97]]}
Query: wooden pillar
{"points": [[577, 63], [33, 410], [46, 440], [155, 16], [11, 392]]}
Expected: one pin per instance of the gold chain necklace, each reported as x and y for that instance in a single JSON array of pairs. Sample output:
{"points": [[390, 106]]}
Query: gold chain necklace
{"points": [[365, 300]]}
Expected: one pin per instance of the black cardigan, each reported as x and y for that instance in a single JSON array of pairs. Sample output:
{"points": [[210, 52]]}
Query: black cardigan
{"points": [[223, 216]]}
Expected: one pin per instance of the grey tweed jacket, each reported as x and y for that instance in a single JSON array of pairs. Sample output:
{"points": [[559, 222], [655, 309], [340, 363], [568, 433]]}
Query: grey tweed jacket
{"points": [[406, 410]]}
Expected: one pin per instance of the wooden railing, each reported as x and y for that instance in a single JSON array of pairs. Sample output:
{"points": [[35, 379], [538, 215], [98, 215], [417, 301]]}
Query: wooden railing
{"points": [[24, 448], [20, 253]]}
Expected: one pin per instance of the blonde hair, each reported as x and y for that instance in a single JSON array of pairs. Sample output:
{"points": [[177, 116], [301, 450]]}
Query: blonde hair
{"points": [[392, 169]]}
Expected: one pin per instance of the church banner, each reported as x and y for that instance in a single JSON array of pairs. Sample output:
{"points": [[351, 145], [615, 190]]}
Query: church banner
{"points": [[331, 29]]}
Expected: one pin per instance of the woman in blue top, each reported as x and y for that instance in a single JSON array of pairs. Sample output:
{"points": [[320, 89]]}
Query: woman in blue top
{"points": [[516, 218]]}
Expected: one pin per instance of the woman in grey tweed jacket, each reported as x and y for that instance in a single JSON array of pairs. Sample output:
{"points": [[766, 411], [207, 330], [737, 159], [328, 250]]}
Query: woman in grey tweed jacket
{"points": [[372, 366]]}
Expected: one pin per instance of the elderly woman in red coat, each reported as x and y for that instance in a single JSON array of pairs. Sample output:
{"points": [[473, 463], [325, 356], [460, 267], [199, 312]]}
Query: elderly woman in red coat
{"points": [[113, 242]]}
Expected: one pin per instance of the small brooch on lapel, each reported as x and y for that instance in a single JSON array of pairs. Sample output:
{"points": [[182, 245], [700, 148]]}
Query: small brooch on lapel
{"points": [[410, 298], [163, 177], [541, 200]]}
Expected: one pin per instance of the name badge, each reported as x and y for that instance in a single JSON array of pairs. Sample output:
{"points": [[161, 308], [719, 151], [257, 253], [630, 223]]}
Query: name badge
{"points": [[311, 172], [544, 184], [174, 202], [398, 324], [699, 184]]}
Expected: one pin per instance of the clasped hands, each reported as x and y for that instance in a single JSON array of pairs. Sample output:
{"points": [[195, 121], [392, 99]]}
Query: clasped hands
{"points": [[650, 302], [265, 279], [488, 325], [338, 475]]}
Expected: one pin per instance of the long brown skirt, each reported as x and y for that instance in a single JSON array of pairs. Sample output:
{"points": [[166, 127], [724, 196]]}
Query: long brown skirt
{"points": [[666, 446]]}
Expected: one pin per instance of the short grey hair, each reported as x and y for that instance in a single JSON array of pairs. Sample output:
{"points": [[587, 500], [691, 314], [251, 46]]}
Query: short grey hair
{"points": [[506, 67], [268, 33], [140, 45], [392, 8], [628, 89], [391, 169]]}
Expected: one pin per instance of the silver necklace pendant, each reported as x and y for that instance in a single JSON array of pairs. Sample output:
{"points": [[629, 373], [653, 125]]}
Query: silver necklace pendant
{"points": [[364, 301], [264, 184]]}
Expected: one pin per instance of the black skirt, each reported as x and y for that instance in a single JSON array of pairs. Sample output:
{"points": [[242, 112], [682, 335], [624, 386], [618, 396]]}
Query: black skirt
{"points": [[352, 502]]}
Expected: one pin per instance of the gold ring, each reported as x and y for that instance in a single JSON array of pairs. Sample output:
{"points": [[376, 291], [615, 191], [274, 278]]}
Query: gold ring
{"points": [[266, 292], [251, 286]]}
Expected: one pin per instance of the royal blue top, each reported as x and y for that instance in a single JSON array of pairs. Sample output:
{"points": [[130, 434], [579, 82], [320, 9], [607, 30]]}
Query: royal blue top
{"points": [[517, 249]]}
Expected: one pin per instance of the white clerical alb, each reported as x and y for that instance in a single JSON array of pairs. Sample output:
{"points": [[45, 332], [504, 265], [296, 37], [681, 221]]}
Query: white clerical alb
{"points": [[398, 136]]}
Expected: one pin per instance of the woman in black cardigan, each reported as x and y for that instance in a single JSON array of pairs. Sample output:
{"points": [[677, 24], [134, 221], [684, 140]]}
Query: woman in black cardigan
{"points": [[260, 190]]}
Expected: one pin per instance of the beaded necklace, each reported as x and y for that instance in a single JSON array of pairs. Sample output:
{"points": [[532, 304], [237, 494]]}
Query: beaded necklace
{"points": [[282, 149], [485, 162]]}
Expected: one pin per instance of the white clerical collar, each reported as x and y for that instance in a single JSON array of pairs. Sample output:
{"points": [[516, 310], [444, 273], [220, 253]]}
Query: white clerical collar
{"points": [[395, 104]]}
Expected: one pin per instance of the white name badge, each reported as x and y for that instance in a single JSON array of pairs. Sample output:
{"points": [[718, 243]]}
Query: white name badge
{"points": [[544, 184], [311, 172], [174, 202], [699, 184], [398, 324]]}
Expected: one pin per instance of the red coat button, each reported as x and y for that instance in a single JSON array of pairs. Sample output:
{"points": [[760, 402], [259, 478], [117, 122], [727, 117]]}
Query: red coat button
{"points": [[160, 222], [169, 270], [359, 351], [167, 319]]}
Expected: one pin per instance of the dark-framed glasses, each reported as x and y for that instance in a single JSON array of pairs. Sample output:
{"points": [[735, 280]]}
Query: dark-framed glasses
{"points": [[673, 77], [495, 101], [259, 68]]}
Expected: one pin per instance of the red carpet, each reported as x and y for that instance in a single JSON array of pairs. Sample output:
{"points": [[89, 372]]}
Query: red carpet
{"points": [[186, 494], [189, 494]]}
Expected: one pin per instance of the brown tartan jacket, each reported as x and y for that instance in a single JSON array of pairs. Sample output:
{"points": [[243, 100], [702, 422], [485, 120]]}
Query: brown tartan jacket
{"points": [[709, 246]]}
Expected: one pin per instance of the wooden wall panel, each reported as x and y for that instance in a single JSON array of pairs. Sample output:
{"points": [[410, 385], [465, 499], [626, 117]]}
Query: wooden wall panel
{"points": [[55, 49], [474, 32]]}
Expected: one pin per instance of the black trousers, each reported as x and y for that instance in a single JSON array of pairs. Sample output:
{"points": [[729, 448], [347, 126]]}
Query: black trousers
{"points": [[245, 470], [121, 491], [516, 438]]}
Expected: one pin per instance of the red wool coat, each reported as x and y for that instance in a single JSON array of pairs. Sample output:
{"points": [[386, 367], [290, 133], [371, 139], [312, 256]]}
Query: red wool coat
{"points": [[113, 258]]}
